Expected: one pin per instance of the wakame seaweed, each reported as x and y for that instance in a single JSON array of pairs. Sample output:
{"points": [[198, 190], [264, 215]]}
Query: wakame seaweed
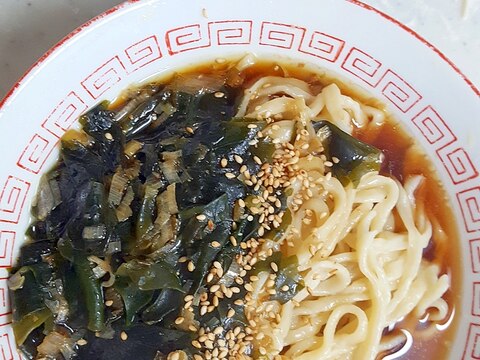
{"points": [[79, 222]]}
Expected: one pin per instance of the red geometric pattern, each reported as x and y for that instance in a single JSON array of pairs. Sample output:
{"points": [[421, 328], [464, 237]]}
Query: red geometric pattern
{"points": [[12, 199], [8, 348], [476, 299], [142, 53], [433, 127], [458, 164], [36, 153], [231, 32], [472, 346], [469, 201], [475, 255], [398, 91], [363, 66], [281, 35], [104, 77], [322, 45], [64, 114], [7, 240], [186, 38], [4, 298]]}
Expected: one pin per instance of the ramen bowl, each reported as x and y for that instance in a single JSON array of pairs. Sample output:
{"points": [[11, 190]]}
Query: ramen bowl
{"points": [[139, 40]]}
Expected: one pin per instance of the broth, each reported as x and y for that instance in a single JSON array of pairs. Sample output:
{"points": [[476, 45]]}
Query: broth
{"points": [[403, 158]]}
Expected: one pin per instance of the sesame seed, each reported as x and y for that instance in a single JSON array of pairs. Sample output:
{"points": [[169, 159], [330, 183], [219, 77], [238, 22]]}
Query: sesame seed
{"points": [[215, 244], [219, 94], [248, 287], [109, 303], [196, 344], [189, 130], [217, 265], [183, 259], [201, 217], [123, 335], [229, 175], [261, 231], [285, 288], [230, 313], [214, 288], [173, 356], [257, 160], [81, 342], [252, 126], [108, 136], [274, 266], [223, 162], [238, 159], [192, 328], [254, 210], [191, 266], [179, 320], [241, 202]]}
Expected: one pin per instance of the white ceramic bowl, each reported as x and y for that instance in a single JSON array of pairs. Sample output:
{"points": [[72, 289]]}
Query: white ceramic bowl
{"points": [[138, 39]]}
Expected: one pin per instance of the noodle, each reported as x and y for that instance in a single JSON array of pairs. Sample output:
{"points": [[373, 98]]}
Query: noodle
{"points": [[362, 266]]}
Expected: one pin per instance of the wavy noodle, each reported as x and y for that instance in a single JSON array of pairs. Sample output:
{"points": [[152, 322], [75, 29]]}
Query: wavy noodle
{"points": [[362, 266]]}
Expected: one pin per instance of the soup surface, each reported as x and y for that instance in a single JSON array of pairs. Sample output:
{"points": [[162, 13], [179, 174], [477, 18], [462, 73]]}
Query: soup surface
{"points": [[239, 209]]}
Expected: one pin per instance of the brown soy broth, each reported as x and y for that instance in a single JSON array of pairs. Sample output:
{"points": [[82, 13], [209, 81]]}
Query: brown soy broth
{"points": [[403, 158]]}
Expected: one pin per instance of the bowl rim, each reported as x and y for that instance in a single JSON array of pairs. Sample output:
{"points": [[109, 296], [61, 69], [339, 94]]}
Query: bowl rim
{"points": [[71, 39], [82, 28]]}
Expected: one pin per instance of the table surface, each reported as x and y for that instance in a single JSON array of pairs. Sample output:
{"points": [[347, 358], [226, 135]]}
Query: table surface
{"points": [[28, 28]]}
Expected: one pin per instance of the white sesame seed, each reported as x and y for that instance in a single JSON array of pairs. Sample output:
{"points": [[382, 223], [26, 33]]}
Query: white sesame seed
{"points": [[274, 266], [238, 159]]}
